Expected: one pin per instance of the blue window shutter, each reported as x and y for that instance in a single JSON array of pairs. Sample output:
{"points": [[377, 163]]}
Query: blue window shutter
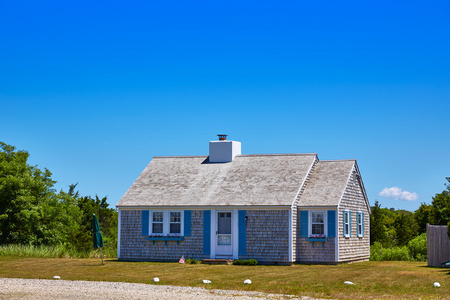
{"points": [[362, 223], [242, 233], [357, 227], [145, 221], [206, 232], [304, 223], [332, 223], [187, 223], [344, 221], [350, 223]]}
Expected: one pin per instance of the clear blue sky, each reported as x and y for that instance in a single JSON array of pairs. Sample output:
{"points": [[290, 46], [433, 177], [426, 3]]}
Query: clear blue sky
{"points": [[94, 89]]}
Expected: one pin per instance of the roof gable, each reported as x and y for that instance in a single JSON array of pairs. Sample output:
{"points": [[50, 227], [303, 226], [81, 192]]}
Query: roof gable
{"points": [[327, 183]]}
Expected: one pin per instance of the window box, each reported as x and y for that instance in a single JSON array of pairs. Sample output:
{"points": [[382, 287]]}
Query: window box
{"points": [[165, 239], [316, 239]]}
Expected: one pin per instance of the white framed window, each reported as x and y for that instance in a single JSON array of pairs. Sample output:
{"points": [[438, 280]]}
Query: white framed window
{"points": [[347, 223], [318, 223], [166, 222], [360, 224], [175, 222], [157, 222]]}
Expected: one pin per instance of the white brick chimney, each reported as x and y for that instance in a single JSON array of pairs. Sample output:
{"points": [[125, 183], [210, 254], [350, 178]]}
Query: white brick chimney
{"points": [[222, 151]]}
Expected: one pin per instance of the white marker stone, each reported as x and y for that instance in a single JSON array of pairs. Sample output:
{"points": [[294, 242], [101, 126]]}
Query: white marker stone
{"points": [[206, 281], [436, 284], [348, 282], [156, 279], [247, 281], [56, 277]]}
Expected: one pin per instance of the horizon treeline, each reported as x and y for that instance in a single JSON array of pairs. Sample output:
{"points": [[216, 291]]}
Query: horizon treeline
{"points": [[32, 212], [392, 227]]}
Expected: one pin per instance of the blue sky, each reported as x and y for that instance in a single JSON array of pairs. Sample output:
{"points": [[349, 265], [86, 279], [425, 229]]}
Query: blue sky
{"points": [[94, 89]]}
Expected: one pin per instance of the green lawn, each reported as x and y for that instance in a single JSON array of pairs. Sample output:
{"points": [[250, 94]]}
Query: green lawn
{"points": [[411, 280]]}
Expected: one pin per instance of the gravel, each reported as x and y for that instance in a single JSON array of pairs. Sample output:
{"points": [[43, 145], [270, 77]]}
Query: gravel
{"points": [[14, 288]]}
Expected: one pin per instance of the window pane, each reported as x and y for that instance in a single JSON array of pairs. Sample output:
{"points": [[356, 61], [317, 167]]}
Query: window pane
{"points": [[158, 216], [175, 217], [317, 229], [175, 228], [157, 228], [224, 223], [317, 217], [224, 240]]}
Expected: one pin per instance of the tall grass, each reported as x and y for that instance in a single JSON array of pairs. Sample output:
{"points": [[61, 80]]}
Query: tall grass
{"points": [[57, 251]]}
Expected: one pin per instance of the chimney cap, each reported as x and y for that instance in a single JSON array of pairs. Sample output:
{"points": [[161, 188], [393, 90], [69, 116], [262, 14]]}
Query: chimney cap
{"points": [[222, 137]]}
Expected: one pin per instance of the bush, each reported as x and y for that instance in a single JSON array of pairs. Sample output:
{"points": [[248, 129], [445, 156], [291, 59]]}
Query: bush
{"points": [[247, 262], [417, 248], [378, 253], [192, 261]]}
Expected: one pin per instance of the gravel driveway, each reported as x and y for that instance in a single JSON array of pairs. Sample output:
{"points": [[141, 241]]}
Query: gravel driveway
{"points": [[13, 288]]}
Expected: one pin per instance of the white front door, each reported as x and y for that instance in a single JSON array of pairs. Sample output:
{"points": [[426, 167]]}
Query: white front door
{"points": [[224, 239]]}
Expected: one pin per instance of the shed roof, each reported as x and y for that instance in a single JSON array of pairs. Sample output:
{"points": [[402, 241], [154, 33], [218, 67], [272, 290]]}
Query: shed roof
{"points": [[327, 183], [261, 180]]}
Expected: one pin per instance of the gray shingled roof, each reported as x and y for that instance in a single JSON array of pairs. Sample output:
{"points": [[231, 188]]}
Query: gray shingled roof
{"points": [[263, 180], [327, 183]]}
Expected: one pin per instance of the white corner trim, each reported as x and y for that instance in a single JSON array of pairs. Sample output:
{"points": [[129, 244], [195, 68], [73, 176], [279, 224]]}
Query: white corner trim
{"points": [[235, 233], [213, 234], [336, 241], [291, 234], [118, 233]]}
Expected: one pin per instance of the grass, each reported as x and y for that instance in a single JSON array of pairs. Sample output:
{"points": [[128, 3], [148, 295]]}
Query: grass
{"points": [[59, 251], [376, 280]]}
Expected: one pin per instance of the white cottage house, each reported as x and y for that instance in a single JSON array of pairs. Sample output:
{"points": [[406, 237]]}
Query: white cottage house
{"points": [[275, 208]]}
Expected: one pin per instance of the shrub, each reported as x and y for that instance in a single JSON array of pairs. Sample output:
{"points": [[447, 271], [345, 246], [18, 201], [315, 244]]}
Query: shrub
{"points": [[247, 262], [378, 253], [192, 261], [417, 247]]}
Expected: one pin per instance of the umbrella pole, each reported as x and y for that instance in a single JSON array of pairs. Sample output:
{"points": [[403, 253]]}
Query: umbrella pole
{"points": [[101, 253]]}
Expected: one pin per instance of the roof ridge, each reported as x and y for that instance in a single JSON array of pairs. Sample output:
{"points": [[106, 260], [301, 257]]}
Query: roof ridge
{"points": [[337, 160], [240, 155], [181, 156], [279, 154]]}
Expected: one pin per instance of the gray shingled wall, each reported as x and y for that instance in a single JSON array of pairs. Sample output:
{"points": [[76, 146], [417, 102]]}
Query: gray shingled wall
{"points": [[317, 253], [267, 236], [353, 248], [135, 246]]}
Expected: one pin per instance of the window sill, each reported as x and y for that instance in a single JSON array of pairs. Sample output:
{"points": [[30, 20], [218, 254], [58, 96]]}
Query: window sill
{"points": [[165, 239]]}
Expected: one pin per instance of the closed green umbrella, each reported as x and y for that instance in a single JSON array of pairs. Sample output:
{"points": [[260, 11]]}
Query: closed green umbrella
{"points": [[98, 239]]}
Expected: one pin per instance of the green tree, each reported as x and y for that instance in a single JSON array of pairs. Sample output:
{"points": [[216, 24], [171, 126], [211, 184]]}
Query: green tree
{"points": [[405, 227], [27, 204], [440, 212], [422, 216], [377, 227], [107, 217], [31, 212]]}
